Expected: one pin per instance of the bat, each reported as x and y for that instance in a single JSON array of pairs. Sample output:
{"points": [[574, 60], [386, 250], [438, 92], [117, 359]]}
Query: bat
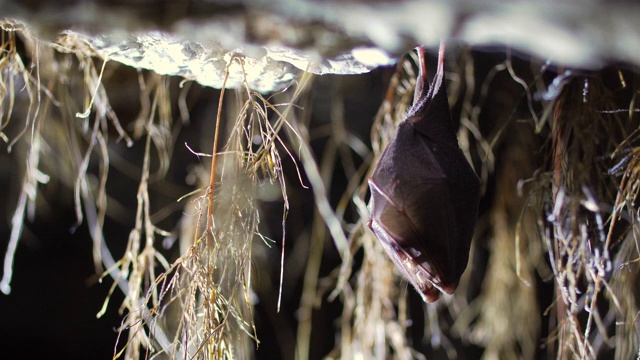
{"points": [[424, 193]]}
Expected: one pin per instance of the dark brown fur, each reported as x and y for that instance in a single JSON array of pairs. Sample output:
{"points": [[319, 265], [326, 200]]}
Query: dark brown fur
{"points": [[424, 194]]}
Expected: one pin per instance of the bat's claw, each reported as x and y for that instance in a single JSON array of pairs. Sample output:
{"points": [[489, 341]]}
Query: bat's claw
{"points": [[425, 92]]}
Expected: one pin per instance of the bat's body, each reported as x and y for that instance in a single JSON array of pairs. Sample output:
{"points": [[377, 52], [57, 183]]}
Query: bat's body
{"points": [[424, 193]]}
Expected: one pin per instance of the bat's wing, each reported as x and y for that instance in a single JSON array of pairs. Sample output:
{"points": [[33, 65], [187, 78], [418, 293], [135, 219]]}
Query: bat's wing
{"points": [[411, 214], [424, 193]]}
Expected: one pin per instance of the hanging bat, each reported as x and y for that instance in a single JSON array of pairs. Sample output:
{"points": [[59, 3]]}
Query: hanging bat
{"points": [[424, 193]]}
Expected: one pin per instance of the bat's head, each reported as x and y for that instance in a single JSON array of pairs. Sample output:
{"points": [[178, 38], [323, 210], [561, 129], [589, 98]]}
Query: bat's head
{"points": [[415, 238], [426, 278]]}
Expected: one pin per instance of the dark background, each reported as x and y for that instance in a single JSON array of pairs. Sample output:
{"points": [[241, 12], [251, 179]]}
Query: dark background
{"points": [[51, 311]]}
